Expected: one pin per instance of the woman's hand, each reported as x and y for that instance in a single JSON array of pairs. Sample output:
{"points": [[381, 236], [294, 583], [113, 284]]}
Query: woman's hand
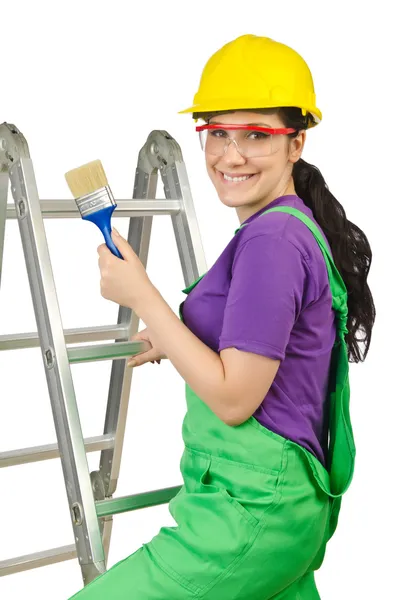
{"points": [[154, 354], [124, 282]]}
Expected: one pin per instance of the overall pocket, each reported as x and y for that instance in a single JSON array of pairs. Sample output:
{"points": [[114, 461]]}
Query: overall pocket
{"points": [[249, 489], [217, 522]]}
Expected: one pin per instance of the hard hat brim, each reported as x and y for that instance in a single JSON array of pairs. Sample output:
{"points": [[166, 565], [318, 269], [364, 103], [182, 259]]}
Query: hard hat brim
{"points": [[198, 108]]}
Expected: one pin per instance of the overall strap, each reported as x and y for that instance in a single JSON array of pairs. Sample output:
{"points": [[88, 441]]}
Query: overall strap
{"points": [[341, 442]]}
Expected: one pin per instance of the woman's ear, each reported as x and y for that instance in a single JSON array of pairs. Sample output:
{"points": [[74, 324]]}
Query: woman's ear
{"points": [[296, 146]]}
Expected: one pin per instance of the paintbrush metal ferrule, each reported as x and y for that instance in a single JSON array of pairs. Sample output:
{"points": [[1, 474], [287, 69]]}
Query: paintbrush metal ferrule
{"points": [[95, 201]]}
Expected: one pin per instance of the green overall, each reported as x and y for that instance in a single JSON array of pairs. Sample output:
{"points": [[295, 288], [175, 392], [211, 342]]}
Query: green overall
{"points": [[256, 510]]}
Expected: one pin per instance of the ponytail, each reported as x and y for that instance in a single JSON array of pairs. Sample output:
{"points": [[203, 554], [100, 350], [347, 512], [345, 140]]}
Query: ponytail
{"points": [[350, 247]]}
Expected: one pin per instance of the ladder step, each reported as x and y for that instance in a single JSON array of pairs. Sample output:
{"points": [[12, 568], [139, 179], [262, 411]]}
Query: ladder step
{"points": [[48, 451], [82, 335], [104, 508], [66, 209], [115, 506], [37, 559], [107, 351]]}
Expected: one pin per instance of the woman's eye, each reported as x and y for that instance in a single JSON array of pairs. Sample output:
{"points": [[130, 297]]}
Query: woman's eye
{"points": [[258, 135], [217, 132]]}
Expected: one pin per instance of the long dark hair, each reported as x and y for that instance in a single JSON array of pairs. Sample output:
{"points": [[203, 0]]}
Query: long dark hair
{"points": [[350, 247]]}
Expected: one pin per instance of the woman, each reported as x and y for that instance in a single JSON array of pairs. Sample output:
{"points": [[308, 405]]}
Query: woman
{"points": [[262, 342]]}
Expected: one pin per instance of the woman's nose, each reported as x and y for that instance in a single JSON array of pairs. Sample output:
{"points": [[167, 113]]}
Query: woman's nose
{"points": [[232, 153]]}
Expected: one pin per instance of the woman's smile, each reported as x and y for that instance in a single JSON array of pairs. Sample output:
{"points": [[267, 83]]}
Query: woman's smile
{"points": [[229, 181]]}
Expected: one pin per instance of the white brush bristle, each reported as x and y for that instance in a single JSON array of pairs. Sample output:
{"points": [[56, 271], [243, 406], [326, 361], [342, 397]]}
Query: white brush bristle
{"points": [[86, 179]]}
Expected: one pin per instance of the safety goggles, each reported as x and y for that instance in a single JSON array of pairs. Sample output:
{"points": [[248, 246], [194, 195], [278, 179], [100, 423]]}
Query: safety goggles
{"points": [[251, 141]]}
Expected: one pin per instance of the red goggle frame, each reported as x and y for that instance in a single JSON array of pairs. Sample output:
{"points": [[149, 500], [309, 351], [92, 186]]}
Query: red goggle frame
{"points": [[281, 131]]}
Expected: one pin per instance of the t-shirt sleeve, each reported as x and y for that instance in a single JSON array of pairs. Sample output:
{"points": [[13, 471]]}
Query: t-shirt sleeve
{"points": [[265, 298]]}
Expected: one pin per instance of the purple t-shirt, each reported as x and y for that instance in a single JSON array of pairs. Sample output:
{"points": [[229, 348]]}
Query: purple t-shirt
{"points": [[268, 293]]}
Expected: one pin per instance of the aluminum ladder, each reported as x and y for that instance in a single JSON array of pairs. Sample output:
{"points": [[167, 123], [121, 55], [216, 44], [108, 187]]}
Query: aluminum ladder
{"points": [[90, 495]]}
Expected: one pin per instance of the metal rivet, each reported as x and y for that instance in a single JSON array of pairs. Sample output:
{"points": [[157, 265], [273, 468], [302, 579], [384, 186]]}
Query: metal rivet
{"points": [[49, 358], [21, 209], [77, 514]]}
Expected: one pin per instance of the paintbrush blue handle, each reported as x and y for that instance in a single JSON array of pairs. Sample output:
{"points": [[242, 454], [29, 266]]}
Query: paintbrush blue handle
{"points": [[109, 242], [101, 218]]}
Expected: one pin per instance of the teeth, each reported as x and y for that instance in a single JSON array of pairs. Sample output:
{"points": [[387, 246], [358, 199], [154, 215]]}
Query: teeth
{"points": [[236, 178]]}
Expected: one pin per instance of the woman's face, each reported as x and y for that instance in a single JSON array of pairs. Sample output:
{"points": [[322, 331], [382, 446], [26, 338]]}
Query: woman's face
{"points": [[271, 175]]}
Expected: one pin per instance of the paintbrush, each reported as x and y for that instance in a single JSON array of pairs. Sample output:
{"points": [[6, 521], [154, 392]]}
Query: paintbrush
{"points": [[94, 198]]}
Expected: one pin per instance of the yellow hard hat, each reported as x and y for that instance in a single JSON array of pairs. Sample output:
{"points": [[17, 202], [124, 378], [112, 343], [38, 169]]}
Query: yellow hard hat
{"points": [[255, 72]]}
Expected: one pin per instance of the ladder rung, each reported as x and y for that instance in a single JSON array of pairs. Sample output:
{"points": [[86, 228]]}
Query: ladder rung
{"points": [[48, 451], [104, 508], [106, 351], [67, 209], [16, 341], [114, 506], [37, 559]]}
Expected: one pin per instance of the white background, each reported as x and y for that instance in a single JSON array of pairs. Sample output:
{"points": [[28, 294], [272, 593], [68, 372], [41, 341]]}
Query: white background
{"points": [[90, 80]]}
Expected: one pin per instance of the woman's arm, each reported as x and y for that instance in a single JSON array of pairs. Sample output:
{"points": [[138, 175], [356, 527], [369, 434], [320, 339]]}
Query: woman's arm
{"points": [[233, 384]]}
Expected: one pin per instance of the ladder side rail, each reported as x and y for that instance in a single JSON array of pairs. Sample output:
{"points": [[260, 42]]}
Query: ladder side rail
{"points": [[12, 145], [57, 368], [185, 224], [4, 178], [139, 232]]}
